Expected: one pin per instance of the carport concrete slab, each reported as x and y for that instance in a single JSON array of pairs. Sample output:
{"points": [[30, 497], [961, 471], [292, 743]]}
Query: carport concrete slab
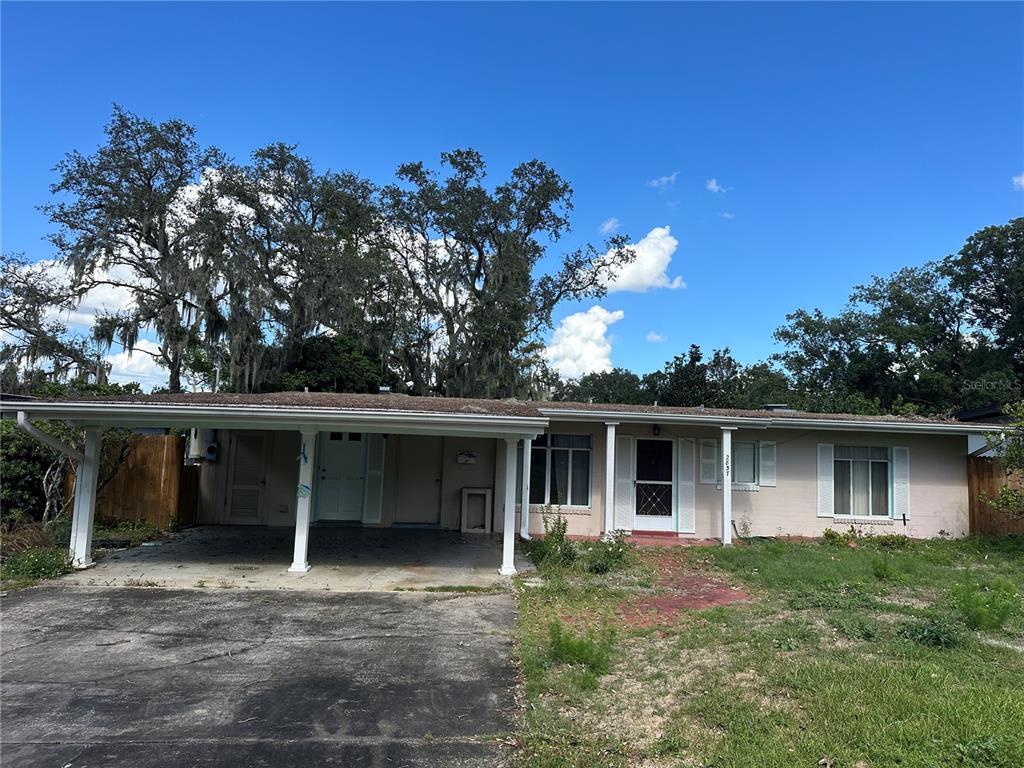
{"points": [[342, 559], [157, 677]]}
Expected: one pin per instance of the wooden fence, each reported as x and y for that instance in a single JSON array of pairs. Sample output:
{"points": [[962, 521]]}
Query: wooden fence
{"points": [[153, 484], [984, 479]]}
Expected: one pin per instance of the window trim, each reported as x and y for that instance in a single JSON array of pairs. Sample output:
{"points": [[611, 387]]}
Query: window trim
{"points": [[870, 461], [548, 448]]}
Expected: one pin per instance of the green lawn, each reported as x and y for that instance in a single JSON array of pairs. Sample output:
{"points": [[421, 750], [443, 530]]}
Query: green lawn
{"points": [[887, 654]]}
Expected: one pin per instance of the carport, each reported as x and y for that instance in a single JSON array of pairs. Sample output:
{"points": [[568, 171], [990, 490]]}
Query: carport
{"points": [[306, 417]]}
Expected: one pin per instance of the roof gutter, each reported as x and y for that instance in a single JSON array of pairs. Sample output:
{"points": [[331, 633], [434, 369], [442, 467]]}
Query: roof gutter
{"points": [[277, 418], [769, 422]]}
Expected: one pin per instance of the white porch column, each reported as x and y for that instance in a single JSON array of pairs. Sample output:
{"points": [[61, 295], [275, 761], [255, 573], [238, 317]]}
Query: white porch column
{"points": [[609, 477], [304, 501], [86, 480], [508, 532], [727, 485], [524, 505]]}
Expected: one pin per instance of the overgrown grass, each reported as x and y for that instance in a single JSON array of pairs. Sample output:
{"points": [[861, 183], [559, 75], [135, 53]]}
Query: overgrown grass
{"points": [[31, 552], [889, 652], [30, 565]]}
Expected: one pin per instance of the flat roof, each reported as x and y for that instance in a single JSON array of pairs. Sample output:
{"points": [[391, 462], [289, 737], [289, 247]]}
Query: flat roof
{"points": [[283, 410]]}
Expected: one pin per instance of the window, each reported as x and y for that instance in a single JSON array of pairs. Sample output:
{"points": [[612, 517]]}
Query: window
{"points": [[744, 463], [746, 460], [560, 468], [861, 481]]}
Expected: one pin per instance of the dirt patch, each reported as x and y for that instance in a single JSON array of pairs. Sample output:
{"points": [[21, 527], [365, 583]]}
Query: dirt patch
{"points": [[680, 588]]}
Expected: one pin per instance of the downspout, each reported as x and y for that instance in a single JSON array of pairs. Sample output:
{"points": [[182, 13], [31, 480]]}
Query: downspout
{"points": [[31, 429]]}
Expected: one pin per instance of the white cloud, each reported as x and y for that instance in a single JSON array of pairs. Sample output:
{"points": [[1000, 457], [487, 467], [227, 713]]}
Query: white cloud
{"points": [[654, 337], [580, 343], [727, 215], [608, 226], [650, 268], [663, 181], [714, 187], [1018, 182], [138, 366]]}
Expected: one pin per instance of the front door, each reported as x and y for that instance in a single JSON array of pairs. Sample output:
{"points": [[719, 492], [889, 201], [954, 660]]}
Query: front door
{"points": [[419, 480], [341, 464], [247, 478], [653, 489]]}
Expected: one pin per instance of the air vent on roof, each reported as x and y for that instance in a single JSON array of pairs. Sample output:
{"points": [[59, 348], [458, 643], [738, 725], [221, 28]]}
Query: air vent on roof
{"points": [[384, 390], [778, 408]]}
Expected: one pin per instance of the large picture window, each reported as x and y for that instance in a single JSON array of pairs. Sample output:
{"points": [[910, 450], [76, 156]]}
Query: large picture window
{"points": [[560, 469], [861, 480]]}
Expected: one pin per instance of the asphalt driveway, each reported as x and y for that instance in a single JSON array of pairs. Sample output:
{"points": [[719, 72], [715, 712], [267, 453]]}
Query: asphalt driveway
{"points": [[158, 677]]}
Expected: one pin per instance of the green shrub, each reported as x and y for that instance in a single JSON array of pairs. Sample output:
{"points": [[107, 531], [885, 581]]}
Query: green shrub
{"points": [[589, 651], [932, 633], [37, 563], [606, 554], [988, 605], [833, 538]]}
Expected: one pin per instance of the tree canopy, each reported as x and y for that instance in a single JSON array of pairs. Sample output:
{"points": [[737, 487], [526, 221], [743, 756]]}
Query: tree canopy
{"points": [[271, 273]]}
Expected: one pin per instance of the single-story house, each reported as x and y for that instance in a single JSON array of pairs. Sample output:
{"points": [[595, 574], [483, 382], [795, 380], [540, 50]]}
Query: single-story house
{"points": [[495, 466]]}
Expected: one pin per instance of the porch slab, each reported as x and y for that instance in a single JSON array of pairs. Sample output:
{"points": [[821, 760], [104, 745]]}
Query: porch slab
{"points": [[343, 559]]}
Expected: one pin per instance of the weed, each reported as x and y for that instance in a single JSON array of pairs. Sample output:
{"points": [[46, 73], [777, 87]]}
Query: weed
{"points": [[854, 626], [588, 650], [833, 538], [882, 568], [36, 563], [932, 633], [606, 555], [554, 549], [134, 531], [986, 605], [141, 583], [891, 541]]}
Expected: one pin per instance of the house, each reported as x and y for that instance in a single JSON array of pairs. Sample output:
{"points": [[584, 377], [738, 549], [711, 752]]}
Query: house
{"points": [[299, 459]]}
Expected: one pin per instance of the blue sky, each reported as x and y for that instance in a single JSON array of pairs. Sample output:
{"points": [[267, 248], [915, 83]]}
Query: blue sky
{"points": [[847, 140]]}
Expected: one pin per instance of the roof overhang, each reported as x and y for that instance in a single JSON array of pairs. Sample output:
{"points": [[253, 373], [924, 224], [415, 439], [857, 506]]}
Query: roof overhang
{"points": [[738, 422], [184, 416]]}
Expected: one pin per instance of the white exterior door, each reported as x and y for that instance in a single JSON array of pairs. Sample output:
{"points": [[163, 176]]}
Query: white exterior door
{"points": [[247, 478], [654, 488], [341, 471]]}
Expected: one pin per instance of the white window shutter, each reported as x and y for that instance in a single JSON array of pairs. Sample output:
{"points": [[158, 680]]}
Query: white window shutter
{"points": [[624, 464], [826, 480], [373, 494], [901, 483], [709, 462], [686, 454], [766, 470]]}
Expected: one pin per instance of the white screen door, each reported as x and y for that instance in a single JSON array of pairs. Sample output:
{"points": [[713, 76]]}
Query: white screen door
{"points": [[654, 507]]}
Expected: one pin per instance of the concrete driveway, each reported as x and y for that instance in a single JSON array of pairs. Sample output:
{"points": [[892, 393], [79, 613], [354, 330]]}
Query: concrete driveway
{"points": [[161, 677]]}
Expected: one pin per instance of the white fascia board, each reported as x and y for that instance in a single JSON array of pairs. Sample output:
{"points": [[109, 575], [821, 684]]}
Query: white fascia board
{"points": [[844, 425], [134, 415]]}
